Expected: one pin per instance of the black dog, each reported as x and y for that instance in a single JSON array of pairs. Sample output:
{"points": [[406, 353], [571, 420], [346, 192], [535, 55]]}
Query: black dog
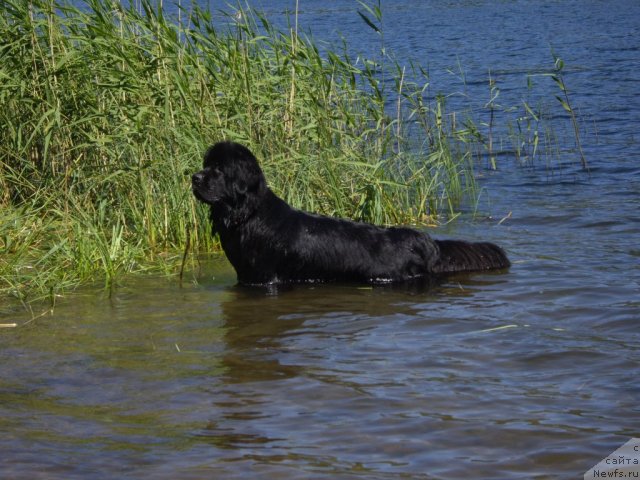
{"points": [[267, 241]]}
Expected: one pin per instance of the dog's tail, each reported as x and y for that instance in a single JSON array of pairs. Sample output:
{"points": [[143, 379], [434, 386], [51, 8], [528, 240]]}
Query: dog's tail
{"points": [[460, 256]]}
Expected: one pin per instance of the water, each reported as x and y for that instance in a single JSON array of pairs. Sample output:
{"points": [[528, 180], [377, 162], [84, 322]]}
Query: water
{"points": [[528, 374]]}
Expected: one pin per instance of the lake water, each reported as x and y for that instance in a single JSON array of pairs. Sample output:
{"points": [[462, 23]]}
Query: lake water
{"points": [[528, 374]]}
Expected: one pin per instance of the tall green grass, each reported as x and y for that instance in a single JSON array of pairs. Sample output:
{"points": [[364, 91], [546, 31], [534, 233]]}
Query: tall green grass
{"points": [[106, 110]]}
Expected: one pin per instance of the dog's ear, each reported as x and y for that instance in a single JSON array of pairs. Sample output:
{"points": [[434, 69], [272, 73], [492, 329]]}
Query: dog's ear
{"points": [[248, 178], [240, 187]]}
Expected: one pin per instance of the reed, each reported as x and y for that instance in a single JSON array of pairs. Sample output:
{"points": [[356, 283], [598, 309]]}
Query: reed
{"points": [[107, 109], [558, 77]]}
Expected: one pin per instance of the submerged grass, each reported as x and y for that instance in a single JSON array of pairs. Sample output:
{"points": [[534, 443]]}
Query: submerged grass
{"points": [[106, 110]]}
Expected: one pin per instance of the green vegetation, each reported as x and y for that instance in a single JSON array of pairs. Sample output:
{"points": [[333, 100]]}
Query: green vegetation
{"points": [[106, 110], [558, 78]]}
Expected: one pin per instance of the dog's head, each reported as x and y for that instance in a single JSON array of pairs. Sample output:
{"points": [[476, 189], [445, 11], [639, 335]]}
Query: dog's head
{"points": [[231, 181]]}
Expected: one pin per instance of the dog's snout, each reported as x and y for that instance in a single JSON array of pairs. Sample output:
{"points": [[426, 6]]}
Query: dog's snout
{"points": [[197, 178]]}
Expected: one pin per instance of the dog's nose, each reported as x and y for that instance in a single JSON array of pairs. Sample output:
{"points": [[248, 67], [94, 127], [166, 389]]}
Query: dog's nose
{"points": [[196, 179]]}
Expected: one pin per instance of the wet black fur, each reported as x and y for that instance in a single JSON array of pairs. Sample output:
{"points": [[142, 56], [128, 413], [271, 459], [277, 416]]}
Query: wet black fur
{"points": [[267, 241]]}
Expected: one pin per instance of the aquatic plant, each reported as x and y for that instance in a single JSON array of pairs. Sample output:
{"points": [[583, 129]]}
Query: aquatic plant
{"points": [[558, 77], [107, 109]]}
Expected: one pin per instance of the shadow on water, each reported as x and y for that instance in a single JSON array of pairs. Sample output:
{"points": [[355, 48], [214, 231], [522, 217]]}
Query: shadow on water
{"points": [[262, 330], [257, 319]]}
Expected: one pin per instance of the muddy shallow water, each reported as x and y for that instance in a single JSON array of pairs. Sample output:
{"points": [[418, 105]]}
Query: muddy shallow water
{"points": [[531, 373]]}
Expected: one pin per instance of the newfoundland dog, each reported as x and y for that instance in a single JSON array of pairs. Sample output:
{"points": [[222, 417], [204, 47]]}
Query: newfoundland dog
{"points": [[268, 242]]}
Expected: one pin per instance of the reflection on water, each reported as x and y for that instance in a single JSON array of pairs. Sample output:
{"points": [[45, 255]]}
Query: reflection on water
{"points": [[526, 374]]}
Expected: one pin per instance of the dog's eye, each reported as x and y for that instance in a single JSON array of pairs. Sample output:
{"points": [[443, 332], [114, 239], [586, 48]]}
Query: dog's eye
{"points": [[213, 172]]}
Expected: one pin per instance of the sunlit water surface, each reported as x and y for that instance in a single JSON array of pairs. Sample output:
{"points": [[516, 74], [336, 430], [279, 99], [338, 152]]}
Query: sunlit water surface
{"points": [[526, 374]]}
